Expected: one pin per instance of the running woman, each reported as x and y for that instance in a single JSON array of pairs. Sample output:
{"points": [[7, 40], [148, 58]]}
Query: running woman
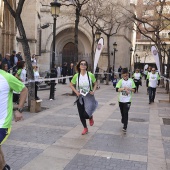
{"points": [[7, 85], [86, 102], [125, 87]]}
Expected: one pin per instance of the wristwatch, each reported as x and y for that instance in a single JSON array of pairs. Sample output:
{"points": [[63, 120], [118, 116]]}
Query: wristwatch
{"points": [[20, 110]]}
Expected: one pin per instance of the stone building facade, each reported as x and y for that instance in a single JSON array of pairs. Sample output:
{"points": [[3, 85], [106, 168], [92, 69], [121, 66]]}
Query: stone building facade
{"points": [[37, 13], [7, 29]]}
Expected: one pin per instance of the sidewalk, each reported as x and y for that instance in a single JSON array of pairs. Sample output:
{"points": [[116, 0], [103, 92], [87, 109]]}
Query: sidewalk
{"points": [[52, 140]]}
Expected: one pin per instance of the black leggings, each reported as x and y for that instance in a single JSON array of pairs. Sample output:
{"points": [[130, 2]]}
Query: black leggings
{"points": [[137, 85], [124, 109], [82, 113]]}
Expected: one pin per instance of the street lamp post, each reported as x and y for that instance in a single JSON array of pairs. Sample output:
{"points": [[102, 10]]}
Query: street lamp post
{"points": [[164, 50], [114, 54], [97, 35], [131, 50], [55, 10]]}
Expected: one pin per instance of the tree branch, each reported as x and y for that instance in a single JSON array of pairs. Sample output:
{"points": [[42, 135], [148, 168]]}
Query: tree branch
{"points": [[20, 7]]}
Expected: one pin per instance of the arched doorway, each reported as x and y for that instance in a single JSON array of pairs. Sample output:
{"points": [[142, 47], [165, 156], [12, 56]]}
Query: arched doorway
{"points": [[68, 53]]}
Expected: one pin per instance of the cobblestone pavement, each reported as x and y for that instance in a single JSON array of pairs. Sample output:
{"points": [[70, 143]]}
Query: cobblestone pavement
{"points": [[52, 140]]}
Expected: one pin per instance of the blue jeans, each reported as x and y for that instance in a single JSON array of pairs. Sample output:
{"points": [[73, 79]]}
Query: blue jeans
{"points": [[152, 92]]}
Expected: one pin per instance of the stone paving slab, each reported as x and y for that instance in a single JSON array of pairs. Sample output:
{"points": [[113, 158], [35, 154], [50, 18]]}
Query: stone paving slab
{"points": [[58, 121], [117, 115], [118, 144], [84, 162], [37, 134], [116, 127], [165, 129], [17, 156]]}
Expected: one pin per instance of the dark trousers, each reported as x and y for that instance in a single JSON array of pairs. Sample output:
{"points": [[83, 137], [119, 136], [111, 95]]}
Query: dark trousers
{"points": [[137, 85], [36, 89], [64, 80], [124, 109], [152, 92], [82, 113], [52, 89]]}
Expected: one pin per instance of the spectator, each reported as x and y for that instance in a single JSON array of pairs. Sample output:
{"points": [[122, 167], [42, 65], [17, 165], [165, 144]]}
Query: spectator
{"points": [[36, 76], [33, 60], [19, 56], [59, 70], [114, 81], [71, 71], [64, 72], [21, 72], [14, 61], [119, 71], [5, 67], [6, 60]]}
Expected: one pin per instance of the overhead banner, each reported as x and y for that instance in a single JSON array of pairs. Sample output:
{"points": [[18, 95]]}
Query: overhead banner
{"points": [[99, 49], [156, 57]]}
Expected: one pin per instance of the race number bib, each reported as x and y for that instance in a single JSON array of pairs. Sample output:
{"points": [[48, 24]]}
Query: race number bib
{"points": [[124, 93]]}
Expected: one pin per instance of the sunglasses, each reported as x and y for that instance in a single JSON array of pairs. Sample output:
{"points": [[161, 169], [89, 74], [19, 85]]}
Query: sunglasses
{"points": [[153, 70], [83, 64]]}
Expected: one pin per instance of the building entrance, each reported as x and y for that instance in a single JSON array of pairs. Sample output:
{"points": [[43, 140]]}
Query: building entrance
{"points": [[68, 53]]}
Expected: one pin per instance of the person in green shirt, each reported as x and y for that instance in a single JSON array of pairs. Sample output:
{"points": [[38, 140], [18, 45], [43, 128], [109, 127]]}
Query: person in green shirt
{"points": [[86, 103], [125, 87], [8, 84]]}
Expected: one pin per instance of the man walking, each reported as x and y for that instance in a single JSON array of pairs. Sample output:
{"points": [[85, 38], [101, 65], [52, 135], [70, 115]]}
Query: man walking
{"points": [[119, 71], [71, 71], [64, 72], [125, 87], [9, 84], [153, 79]]}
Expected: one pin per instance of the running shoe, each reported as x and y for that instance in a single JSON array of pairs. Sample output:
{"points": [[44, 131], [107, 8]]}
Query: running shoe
{"points": [[85, 131], [124, 130], [7, 167], [91, 121]]}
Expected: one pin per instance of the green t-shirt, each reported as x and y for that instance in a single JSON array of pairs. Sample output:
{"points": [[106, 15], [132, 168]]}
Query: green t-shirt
{"points": [[83, 81], [8, 84]]}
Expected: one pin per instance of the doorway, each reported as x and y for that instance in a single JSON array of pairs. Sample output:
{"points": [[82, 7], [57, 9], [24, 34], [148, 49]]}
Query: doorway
{"points": [[68, 53]]}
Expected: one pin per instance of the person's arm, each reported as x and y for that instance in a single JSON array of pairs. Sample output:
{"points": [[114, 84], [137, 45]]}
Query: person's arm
{"points": [[18, 113], [74, 89], [18, 86], [72, 84], [118, 86], [94, 88]]}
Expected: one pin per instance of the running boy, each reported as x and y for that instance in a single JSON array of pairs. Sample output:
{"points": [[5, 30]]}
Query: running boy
{"points": [[125, 87]]}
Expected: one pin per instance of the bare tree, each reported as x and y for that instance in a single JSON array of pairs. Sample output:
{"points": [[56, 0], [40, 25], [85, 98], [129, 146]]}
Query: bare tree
{"points": [[92, 15], [110, 23], [24, 41], [151, 19], [78, 5]]}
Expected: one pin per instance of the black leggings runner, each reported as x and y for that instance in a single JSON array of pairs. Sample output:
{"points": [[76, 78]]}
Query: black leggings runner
{"points": [[82, 113]]}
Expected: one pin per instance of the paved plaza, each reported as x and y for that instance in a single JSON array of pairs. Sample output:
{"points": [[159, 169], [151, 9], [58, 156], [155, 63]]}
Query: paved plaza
{"points": [[52, 140]]}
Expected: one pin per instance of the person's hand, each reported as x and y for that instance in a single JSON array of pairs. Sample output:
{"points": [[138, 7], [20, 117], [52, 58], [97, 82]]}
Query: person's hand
{"points": [[18, 116], [77, 93], [92, 92]]}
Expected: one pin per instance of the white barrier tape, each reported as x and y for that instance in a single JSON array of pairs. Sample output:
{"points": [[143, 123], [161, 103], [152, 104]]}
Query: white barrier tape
{"points": [[162, 77], [46, 79]]}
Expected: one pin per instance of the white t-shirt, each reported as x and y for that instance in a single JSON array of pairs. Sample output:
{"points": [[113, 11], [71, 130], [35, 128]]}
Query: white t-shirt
{"points": [[36, 75], [153, 79], [137, 76], [123, 96], [23, 75]]}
